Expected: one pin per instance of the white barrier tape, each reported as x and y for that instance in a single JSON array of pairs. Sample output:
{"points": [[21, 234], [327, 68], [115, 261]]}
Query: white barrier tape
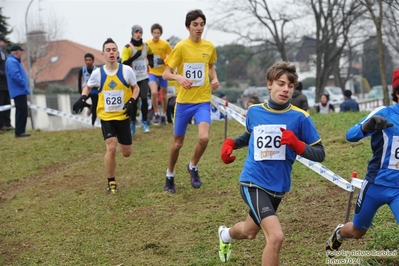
{"points": [[63, 114], [326, 173], [6, 107], [356, 182], [236, 116], [229, 110], [216, 101], [220, 107], [315, 166]]}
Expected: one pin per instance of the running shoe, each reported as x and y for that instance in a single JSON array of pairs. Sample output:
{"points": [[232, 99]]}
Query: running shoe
{"points": [[163, 120], [156, 120], [144, 127], [333, 243], [170, 184], [224, 248], [195, 180], [133, 127], [112, 187]]}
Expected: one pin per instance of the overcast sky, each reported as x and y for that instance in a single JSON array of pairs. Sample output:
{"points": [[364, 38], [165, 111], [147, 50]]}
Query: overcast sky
{"points": [[91, 22]]}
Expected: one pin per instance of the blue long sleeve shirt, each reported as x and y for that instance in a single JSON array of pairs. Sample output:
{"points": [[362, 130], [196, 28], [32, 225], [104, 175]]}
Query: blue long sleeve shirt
{"points": [[383, 167]]}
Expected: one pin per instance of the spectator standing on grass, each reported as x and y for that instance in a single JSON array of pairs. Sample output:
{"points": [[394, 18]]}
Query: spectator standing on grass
{"points": [[381, 184], [299, 99], [172, 92], [161, 49], [276, 132], [117, 98], [324, 106], [348, 104], [138, 55], [83, 77], [18, 87], [255, 97], [5, 116], [194, 59]]}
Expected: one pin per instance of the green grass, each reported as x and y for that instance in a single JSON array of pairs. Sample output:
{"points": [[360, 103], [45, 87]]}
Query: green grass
{"points": [[55, 210]]}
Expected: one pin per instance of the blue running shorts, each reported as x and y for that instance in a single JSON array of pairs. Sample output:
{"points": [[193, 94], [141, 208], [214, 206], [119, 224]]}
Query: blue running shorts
{"points": [[185, 111], [371, 197], [163, 83]]}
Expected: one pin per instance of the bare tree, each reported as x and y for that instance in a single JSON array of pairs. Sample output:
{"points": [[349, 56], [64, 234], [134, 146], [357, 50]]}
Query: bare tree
{"points": [[375, 9], [55, 26], [391, 28], [349, 67], [254, 21], [257, 21], [333, 19]]}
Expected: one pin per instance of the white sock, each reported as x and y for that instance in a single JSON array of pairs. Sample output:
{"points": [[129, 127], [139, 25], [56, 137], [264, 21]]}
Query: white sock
{"points": [[169, 174], [192, 166], [225, 235]]}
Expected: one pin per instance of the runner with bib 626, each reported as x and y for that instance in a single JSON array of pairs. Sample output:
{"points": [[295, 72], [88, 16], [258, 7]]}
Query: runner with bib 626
{"points": [[276, 132]]}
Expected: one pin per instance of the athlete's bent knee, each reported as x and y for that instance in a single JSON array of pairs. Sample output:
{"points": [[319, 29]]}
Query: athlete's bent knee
{"points": [[203, 140], [177, 145], [126, 153], [276, 238], [111, 150]]}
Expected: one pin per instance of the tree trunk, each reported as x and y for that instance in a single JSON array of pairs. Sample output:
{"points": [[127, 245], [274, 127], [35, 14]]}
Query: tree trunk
{"points": [[381, 56]]}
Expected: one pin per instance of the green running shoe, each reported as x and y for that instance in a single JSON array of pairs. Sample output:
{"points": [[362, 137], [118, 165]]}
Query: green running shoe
{"points": [[224, 248]]}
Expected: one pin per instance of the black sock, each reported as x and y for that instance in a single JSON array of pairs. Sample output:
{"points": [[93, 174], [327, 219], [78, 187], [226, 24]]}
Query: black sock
{"points": [[110, 179]]}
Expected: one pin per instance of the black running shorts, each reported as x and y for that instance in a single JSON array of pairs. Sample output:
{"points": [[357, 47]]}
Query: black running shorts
{"points": [[261, 203], [118, 129]]}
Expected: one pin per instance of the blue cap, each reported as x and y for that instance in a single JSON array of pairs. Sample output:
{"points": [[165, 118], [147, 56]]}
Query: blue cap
{"points": [[16, 48]]}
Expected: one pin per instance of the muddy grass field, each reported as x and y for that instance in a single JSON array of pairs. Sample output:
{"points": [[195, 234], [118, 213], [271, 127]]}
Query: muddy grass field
{"points": [[55, 210]]}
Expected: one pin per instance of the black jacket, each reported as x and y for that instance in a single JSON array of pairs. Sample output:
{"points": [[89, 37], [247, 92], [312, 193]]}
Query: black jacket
{"points": [[3, 79]]}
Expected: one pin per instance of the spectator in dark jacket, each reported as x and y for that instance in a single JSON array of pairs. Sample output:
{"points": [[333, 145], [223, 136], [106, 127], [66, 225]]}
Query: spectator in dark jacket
{"points": [[349, 104], [18, 86], [255, 98], [5, 121], [299, 99]]}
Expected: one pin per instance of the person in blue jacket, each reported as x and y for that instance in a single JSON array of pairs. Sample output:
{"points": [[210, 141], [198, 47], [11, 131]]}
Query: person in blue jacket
{"points": [[348, 104], [381, 184], [276, 132], [18, 86]]}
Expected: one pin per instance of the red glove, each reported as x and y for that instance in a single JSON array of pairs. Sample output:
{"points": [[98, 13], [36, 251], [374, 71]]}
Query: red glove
{"points": [[227, 150], [289, 138]]}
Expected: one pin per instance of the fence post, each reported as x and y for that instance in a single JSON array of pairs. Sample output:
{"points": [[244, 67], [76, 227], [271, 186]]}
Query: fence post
{"points": [[225, 120], [348, 209]]}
